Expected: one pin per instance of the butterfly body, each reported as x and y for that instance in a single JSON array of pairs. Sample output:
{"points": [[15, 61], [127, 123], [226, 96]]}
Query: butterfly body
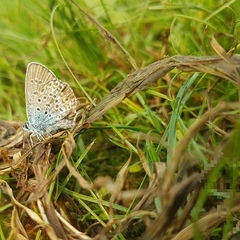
{"points": [[51, 104]]}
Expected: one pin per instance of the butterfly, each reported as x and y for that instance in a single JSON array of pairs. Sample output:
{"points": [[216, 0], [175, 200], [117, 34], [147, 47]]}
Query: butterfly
{"points": [[50, 103]]}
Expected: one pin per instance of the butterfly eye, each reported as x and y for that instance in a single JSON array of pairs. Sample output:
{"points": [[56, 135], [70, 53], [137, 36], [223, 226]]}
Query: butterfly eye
{"points": [[26, 126]]}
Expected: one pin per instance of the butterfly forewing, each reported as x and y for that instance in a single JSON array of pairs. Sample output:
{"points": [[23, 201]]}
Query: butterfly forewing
{"points": [[37, 76]]}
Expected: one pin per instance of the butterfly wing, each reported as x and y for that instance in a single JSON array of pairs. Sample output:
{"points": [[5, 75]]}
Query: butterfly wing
{"points": [[48, 100]]}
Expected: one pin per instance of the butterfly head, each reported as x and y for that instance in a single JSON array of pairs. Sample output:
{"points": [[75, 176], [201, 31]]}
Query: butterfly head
{"points": [[25, 127]]}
